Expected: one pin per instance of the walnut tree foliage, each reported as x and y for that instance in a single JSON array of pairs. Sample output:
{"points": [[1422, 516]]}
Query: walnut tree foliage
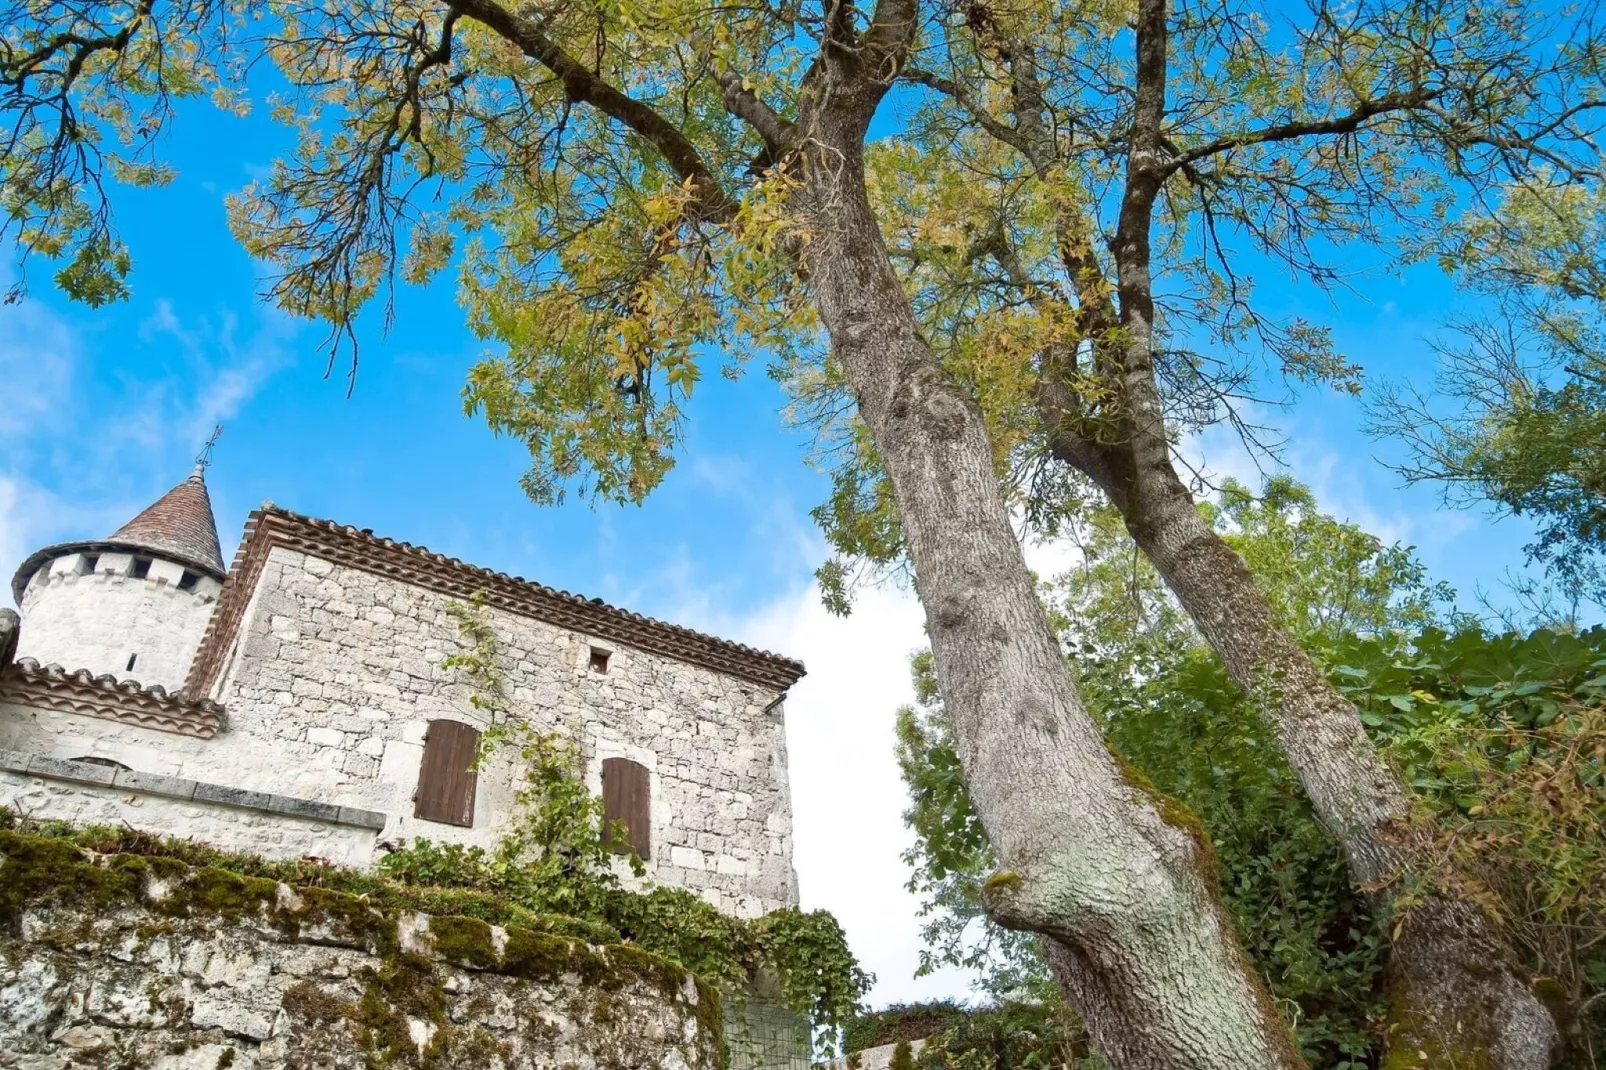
{"points": [[1289, 140], [602, 179]]}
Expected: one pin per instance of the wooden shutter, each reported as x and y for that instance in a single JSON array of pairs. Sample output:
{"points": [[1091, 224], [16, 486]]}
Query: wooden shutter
{"points": [[627, 797], [446, 777]]}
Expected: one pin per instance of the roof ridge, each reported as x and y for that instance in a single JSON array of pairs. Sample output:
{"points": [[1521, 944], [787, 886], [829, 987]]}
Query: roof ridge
{"points": [[31, 668], [272, 524], [578, 600]]}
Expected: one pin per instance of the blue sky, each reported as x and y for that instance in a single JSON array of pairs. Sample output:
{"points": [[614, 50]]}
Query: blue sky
{"points": [[102, 410]]}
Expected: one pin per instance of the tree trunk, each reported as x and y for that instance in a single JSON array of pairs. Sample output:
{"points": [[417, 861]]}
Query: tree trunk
{"points": [[1455, 985], [1458, 997], [1118, 879]]}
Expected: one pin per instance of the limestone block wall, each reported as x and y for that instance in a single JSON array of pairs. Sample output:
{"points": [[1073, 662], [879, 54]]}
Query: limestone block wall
{"points": [[85, 611], [136, 964], [336, 674], [340, 671]]}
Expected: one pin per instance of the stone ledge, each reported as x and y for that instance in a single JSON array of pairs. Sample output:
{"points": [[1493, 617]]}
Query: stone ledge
{"points": [[179, 788]]}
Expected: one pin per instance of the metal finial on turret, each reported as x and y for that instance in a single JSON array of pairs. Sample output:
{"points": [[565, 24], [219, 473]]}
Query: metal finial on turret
{"points": [[204, 458]]}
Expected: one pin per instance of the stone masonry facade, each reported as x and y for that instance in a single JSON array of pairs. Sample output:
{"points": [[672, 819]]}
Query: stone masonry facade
{"points": [[331, 680], [339, 672], [284, 707]]}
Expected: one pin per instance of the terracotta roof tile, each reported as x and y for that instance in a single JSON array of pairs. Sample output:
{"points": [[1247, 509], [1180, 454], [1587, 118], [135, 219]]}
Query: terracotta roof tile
{"points": [[180, 523], [50, 687], [345, 545]]}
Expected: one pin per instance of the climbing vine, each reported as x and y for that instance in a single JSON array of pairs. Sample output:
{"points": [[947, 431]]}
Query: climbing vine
{"points": [[557, 857]]}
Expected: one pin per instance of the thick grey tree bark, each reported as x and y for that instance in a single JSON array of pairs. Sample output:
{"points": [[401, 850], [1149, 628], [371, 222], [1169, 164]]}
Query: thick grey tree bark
{"points": [[1456, 989], [1120, 882], [1455, 985]]}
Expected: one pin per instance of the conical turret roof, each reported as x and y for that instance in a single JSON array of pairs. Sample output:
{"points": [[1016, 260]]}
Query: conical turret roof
{"points": [[179, 524]]}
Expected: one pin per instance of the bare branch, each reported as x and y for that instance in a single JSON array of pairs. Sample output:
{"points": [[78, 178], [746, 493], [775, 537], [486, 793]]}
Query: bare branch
{"points": [[1348, 123]]}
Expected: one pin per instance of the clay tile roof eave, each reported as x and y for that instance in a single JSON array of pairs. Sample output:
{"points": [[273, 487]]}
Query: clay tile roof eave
{"points": [[274, 524]]}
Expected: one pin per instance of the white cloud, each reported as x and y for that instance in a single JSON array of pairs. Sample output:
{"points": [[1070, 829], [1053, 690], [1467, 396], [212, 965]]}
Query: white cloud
{"points": [[224, 371], [32, 517], [847, 797], [846, 794], [37, 355], [14, 537], [59, 483], [1345, 484]]}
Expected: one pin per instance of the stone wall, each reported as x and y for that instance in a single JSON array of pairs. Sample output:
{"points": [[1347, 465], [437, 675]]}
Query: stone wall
{"points": [[338, 674], [141, 964], [97, 619], [332, 683]]}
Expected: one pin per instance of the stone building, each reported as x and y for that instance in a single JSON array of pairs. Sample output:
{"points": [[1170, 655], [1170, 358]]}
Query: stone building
{"points": [[295, 704]]}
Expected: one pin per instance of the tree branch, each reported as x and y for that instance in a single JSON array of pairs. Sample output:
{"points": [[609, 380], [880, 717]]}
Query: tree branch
{"points": [[981, 116], [1343, 124], [743, 103], [582, 85], [886, 43]]}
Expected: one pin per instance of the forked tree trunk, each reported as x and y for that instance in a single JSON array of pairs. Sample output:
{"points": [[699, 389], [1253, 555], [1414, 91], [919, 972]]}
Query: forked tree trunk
{"points": [[1119, 881], [1457, 995]]}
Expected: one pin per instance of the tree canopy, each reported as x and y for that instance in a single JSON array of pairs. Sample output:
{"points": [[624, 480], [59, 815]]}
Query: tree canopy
{"points": [[1518, 419]]}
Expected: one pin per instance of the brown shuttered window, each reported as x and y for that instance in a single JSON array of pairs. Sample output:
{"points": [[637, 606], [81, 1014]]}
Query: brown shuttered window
{"points": [[446, 777], [627, 797]]}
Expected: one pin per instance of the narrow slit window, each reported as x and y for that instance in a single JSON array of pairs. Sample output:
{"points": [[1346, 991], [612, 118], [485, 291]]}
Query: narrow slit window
{"points": [[446, 778], [599, 661], [131, 659], [627, 797]]}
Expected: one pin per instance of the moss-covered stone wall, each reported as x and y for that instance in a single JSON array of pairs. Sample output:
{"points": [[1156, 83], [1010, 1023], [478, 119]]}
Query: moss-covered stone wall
{"points": [[133, 962]]}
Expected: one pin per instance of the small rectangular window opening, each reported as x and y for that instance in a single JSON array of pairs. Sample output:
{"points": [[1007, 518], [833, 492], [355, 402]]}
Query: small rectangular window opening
{"points": [[142, 568], [90, 561], [599, 660], [131, 658], [186, 582]]}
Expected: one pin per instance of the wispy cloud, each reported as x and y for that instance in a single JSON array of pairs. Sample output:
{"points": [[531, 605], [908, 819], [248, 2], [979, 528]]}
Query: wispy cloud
{"points": [[31, 516], [86, 426], [38, 352], [221, 370]]}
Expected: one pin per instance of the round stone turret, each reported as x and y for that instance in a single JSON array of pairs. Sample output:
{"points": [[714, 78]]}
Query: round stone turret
{"points": [[133, 605]]}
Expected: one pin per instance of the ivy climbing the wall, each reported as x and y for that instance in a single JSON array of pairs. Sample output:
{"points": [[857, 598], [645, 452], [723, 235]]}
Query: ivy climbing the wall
{"points": [[558, 855]]}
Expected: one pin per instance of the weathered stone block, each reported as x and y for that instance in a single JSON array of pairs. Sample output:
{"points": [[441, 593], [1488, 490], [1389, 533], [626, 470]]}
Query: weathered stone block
{"points": [[218, 793], [154, 784]]}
